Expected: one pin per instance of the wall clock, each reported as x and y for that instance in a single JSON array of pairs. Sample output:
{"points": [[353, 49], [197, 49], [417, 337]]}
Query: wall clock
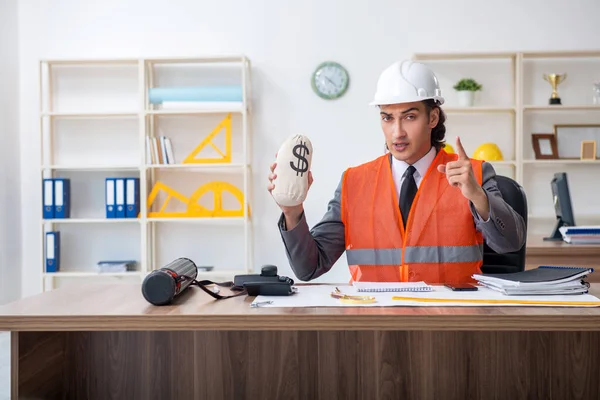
{"points": [[330, 80]]}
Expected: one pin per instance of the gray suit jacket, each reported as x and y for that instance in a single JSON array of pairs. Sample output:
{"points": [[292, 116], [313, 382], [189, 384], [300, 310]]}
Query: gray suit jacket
{"points": [[312, 253]]}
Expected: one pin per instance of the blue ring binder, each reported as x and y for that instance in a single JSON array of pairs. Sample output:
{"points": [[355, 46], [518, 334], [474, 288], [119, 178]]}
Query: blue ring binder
{"points": [[565, 267]]}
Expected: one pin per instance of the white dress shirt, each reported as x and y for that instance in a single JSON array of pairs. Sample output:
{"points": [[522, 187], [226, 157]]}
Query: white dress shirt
{"points": [[421, 166]]}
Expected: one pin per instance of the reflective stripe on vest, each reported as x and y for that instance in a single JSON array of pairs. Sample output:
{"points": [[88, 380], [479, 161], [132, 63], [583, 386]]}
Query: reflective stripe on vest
{"points": [[374, 256], [415, 254]]}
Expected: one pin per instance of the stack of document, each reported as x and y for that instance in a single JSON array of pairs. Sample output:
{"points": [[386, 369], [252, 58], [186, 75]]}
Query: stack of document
{"points": [[580, 234], [116, 266], [544, 280]]}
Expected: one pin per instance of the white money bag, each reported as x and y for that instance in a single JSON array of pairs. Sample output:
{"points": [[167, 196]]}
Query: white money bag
{"points": [[293, 164]]}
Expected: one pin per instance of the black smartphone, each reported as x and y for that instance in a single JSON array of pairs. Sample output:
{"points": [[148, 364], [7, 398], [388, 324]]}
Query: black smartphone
{"points": [[462, 287]]}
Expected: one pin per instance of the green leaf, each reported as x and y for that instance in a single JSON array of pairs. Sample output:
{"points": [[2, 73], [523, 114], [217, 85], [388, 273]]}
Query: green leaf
{"points": [[467, 84]]}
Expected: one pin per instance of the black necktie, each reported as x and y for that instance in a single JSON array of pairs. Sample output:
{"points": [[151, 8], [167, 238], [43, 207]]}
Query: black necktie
{"points": [[407, 192]]}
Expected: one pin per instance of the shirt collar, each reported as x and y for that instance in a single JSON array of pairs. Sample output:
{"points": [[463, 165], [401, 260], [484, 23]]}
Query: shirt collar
{"points": [[422, 165]]}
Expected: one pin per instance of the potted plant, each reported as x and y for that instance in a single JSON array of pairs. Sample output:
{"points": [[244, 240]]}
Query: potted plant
{"points": [[466, 88]]}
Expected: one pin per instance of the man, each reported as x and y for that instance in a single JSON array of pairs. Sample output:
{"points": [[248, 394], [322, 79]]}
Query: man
{"points": [[416, 213]]}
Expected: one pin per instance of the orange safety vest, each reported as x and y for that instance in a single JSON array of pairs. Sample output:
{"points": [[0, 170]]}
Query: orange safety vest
{"points": [[440, 243]]}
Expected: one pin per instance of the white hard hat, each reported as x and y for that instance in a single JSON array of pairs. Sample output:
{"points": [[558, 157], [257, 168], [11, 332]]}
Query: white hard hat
{"points": [[405, 82]]}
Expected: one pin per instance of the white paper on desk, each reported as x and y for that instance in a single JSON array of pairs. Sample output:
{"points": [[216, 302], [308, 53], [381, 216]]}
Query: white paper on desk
{"points": [[582, 240], [320, 296]]}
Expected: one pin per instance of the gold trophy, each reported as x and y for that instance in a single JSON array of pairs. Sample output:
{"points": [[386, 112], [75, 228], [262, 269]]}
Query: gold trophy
{"points": [[554, 80]]}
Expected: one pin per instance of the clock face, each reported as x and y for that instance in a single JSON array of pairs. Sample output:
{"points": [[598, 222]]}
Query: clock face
{"points": [[330, 80]]}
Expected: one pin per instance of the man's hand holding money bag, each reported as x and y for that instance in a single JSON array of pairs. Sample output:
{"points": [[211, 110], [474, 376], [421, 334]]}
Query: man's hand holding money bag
{"points": [[290, 177]]}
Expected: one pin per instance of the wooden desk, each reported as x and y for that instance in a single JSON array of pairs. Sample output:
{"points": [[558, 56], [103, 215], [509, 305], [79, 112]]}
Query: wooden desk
{"points": [[540, 252], [106, 342]]}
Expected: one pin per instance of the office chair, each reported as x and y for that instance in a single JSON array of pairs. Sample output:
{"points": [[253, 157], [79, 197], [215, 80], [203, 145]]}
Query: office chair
{"points": [[494, 263]]}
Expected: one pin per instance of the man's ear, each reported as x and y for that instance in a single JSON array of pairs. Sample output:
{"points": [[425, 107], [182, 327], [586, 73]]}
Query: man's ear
{"points": [[434, 117]]}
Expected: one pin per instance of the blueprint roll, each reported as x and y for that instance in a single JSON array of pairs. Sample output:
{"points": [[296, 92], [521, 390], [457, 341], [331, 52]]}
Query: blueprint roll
{"points": [[195, 93], [294, 159], [161, 286]]}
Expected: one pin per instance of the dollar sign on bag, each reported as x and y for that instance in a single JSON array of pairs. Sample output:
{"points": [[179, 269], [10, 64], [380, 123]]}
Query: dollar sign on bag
{"points": [[300, 150]]}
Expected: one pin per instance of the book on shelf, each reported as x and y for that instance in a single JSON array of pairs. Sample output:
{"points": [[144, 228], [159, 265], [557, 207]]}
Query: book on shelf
{"points": [[159, 150], [544, 280]]}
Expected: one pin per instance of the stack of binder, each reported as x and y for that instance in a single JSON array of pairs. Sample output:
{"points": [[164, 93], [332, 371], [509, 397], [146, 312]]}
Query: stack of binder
{"points": [[56, 193], [544, 280], [122, 197], [580, 234]]}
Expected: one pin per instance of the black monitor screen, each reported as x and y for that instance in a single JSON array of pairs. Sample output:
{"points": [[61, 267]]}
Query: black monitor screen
{"points": [[562, 204], [562, 199]]}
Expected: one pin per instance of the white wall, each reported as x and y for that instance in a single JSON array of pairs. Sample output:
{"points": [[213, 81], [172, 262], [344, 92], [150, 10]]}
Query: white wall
{"points": [[285, 41], [10, 189]]}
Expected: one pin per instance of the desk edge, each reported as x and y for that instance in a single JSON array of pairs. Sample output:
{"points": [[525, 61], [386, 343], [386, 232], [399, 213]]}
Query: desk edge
{"points": [[322, 322]]}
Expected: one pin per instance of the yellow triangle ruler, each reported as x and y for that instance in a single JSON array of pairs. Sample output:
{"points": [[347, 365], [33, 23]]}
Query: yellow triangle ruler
{"points": [[224, 156]]}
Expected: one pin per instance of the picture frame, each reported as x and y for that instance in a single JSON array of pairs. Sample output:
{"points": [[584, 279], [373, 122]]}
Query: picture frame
{"points": [[569, 138], [544, 146], [588, 149]]}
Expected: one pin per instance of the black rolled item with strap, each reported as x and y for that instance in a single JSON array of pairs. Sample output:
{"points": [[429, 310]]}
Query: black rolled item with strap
{"points": [[163, 285]]}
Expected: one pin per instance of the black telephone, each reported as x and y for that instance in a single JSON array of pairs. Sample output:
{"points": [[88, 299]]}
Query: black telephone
{"points": [[267, 283]]}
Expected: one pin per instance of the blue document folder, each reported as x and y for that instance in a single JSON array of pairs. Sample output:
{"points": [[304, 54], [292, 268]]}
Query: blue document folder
{"points": [[52, 251], [109, 193], [48, 198], [62, 196], [132, 193], [120, 197]]}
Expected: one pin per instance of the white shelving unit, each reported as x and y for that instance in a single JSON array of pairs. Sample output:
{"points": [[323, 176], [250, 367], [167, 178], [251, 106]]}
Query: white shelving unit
{"points": [[512, 106], [95, 117]]}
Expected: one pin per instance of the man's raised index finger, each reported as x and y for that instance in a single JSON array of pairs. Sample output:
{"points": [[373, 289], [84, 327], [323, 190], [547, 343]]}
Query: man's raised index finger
{"points": [[462, 154]]}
